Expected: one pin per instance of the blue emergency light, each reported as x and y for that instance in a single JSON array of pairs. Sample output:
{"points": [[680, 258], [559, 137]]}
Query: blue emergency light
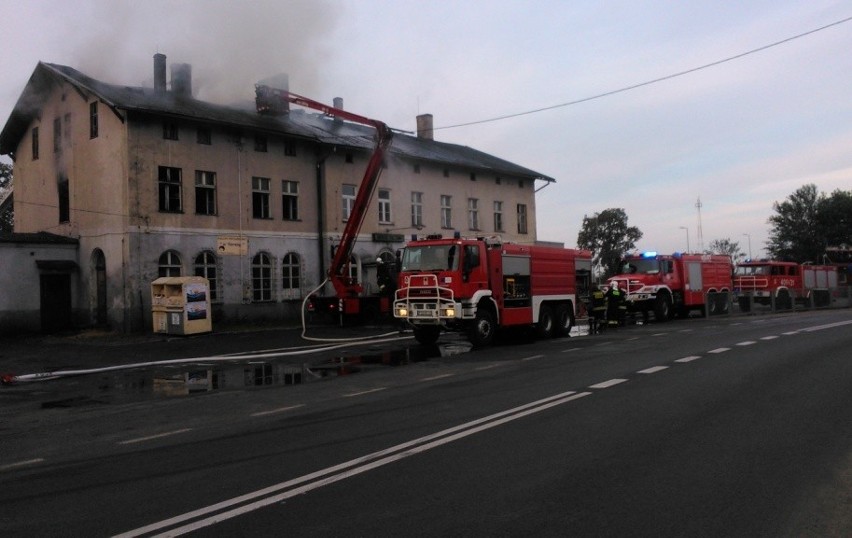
{"points": [[651, 254]]}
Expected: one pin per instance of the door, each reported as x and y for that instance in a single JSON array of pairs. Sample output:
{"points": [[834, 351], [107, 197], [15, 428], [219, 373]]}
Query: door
{"points": [[55, 302]]}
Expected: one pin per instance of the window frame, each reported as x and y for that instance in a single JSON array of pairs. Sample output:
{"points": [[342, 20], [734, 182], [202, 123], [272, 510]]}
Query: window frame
{"points": [[260, 197], [205, 192], [473, 213], [169, 189], [289, 199], [446, 211], [291, 275], [261, 278], [93, 120], [384, 199], [169, 262], [416, 209], [206, 265], [523, 227], [347, 200]]}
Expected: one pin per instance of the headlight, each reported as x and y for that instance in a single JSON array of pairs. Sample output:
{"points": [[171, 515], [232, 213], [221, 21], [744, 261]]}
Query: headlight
{"points": [[402, 312], [450, 313]]}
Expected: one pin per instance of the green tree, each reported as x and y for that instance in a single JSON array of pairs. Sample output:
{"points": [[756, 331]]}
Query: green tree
{"points": [[7, 216], [809, 221], [726, 247], [609, 237]]}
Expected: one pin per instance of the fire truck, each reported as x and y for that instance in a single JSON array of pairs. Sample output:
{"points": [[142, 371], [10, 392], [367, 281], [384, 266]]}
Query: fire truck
{"points": [[481, 285], [759, 281], [350, 298], [675, 284]]}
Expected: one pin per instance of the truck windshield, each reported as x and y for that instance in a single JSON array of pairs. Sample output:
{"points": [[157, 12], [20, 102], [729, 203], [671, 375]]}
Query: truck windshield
{"points": [[430, 258], [748, 270], [640, 266]]}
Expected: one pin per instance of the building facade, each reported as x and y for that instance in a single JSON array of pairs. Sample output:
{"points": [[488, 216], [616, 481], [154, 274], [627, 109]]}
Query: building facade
{"points": [[151, 182]]}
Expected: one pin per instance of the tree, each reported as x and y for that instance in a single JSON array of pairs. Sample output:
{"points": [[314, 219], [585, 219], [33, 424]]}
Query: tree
{"points": [[609, 237], [809, 221], [7, 216], [726, 247]]}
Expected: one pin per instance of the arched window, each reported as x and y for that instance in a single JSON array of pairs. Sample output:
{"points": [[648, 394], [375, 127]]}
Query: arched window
{"points": [[291, 271], [261, 277], [169, 264], [206, 266]]}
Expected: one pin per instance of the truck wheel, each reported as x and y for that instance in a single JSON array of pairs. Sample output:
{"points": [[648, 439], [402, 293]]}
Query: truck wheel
{"points": [[564, 320], [481, 332], [783, 301], [663, 307], [544, 327], [427, 335]]}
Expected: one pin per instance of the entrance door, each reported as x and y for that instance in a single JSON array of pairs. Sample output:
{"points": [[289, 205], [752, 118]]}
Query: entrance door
{"points": [[55, 302], [100, 287]]}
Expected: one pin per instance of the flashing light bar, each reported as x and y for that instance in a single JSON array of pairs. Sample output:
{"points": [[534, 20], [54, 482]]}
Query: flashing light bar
{"points": [[649, 254]]}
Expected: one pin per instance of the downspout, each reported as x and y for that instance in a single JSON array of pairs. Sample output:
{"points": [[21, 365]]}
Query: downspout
{"points": [[321, 216]]}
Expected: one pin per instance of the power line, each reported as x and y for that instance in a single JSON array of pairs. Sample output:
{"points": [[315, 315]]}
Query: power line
{"points": [[649, 82]]}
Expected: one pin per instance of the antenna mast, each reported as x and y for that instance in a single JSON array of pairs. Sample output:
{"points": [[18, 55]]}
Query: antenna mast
{"points": [[700, 232]]}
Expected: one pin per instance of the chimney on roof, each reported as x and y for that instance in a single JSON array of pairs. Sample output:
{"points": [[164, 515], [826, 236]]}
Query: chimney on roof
{"points": [[337, 102], [160, 72], [424, 127], [182, 79]]}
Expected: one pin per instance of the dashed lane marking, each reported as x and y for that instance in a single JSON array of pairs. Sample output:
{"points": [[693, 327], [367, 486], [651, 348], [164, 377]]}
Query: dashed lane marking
{"points": [[772, 337], [746, 343], [653, 370], [719, 350], [153, 437], [10, 466], [487, 367], [370, 391], [537, 357], [607, 384], [570, 349], [276, 411], [688, 359], [790, 333], [434, 377]]}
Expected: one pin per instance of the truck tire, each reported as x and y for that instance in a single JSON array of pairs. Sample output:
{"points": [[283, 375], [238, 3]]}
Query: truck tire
{"points": [[427, 334], [481, 332], [564, 321], [663, 307], [544, 327], [783, 300]]}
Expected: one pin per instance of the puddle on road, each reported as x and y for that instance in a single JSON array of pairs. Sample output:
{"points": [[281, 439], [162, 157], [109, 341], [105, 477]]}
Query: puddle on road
{"points": [[183, 381]]}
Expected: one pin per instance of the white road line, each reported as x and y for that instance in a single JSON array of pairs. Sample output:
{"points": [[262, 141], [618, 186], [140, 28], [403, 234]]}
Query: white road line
{"points": [[688, 359], [719, 350], [533, 357], [685, 331], [152, 437], [275, 411], [17, 464], [653, 370], [746, 343], [659, 334], [633, 338], [434, 377], [790, 333], [827, 326], [772, 337], [369, 391], [570, 349], [487, 367], [607, 384]]}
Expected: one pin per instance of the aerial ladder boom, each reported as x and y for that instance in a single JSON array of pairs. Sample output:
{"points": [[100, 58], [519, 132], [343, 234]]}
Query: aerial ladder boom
{"points": [[274, 101]]}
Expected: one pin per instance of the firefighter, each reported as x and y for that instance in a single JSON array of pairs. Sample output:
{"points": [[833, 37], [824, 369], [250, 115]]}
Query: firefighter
{"points": [[615, 307], [597, 318]]}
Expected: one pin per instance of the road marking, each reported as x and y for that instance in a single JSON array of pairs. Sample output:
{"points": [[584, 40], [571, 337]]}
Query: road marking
{"points": [[275, 411], [284, 490], [719, 350], [570, 349], [685, 331], [633, 338], [607, 384], [790, 333], [746, 343], [434, 377], [487, 367], [773, 337], [827, 326], [152, 437], [653, 370], [688, 359], [368, 391], [659, 334], [17, 464], [535, 357]]}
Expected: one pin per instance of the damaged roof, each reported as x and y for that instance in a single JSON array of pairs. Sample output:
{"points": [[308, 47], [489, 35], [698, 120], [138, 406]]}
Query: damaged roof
{"points": [[297, 124]]}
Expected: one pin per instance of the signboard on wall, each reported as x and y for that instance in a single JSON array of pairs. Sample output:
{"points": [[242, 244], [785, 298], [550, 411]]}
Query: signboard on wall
{"points": [[231, 245]]}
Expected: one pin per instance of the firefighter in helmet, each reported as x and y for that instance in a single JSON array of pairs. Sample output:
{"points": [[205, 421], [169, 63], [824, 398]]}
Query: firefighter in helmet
{"points": [[597, 314], [616, 307]]}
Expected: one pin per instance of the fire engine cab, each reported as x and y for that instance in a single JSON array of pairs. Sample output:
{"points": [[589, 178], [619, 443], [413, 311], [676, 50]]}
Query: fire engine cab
{"points": [[765, 281]]}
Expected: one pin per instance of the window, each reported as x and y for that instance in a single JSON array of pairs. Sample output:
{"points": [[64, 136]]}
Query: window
{"points": [[64, 199], [35, 143], [204, 136], [260, 143], [289, 148], [205, 192], [57, 135], [260, 198], [384, 206], [170, 131], [170, 187], [446, 172], [349, 159], [416, 168], [290, 275], [169, 264], [473, 213], [498, 216], [498, 180], [347, 201], [206, 266], [290, 199], [446, 211], [472, 176], [261, 277], [522, 218], [416, 209], [66, 129], [520, 183], [93, 119]]}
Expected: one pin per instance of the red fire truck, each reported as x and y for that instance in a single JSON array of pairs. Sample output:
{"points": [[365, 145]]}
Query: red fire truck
{"points": [[675, 284], [349, 299], [481, 285], [759, 281]]}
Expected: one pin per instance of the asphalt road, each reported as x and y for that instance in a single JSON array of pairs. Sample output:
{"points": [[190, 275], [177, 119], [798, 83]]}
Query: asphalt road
{"points": [[733, 427]]}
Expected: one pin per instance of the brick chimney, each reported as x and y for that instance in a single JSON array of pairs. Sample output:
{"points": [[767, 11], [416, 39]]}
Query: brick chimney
{"points": [[160, 72], [182, 79], [337, 102], [424, 127]]}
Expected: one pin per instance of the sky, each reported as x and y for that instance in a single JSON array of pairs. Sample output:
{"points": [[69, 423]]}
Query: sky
{"points": [[737, 135]]}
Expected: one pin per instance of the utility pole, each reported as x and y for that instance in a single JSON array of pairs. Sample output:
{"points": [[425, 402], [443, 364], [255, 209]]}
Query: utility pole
{"points": [[700, 232], [749, 245], [687, 237]]}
